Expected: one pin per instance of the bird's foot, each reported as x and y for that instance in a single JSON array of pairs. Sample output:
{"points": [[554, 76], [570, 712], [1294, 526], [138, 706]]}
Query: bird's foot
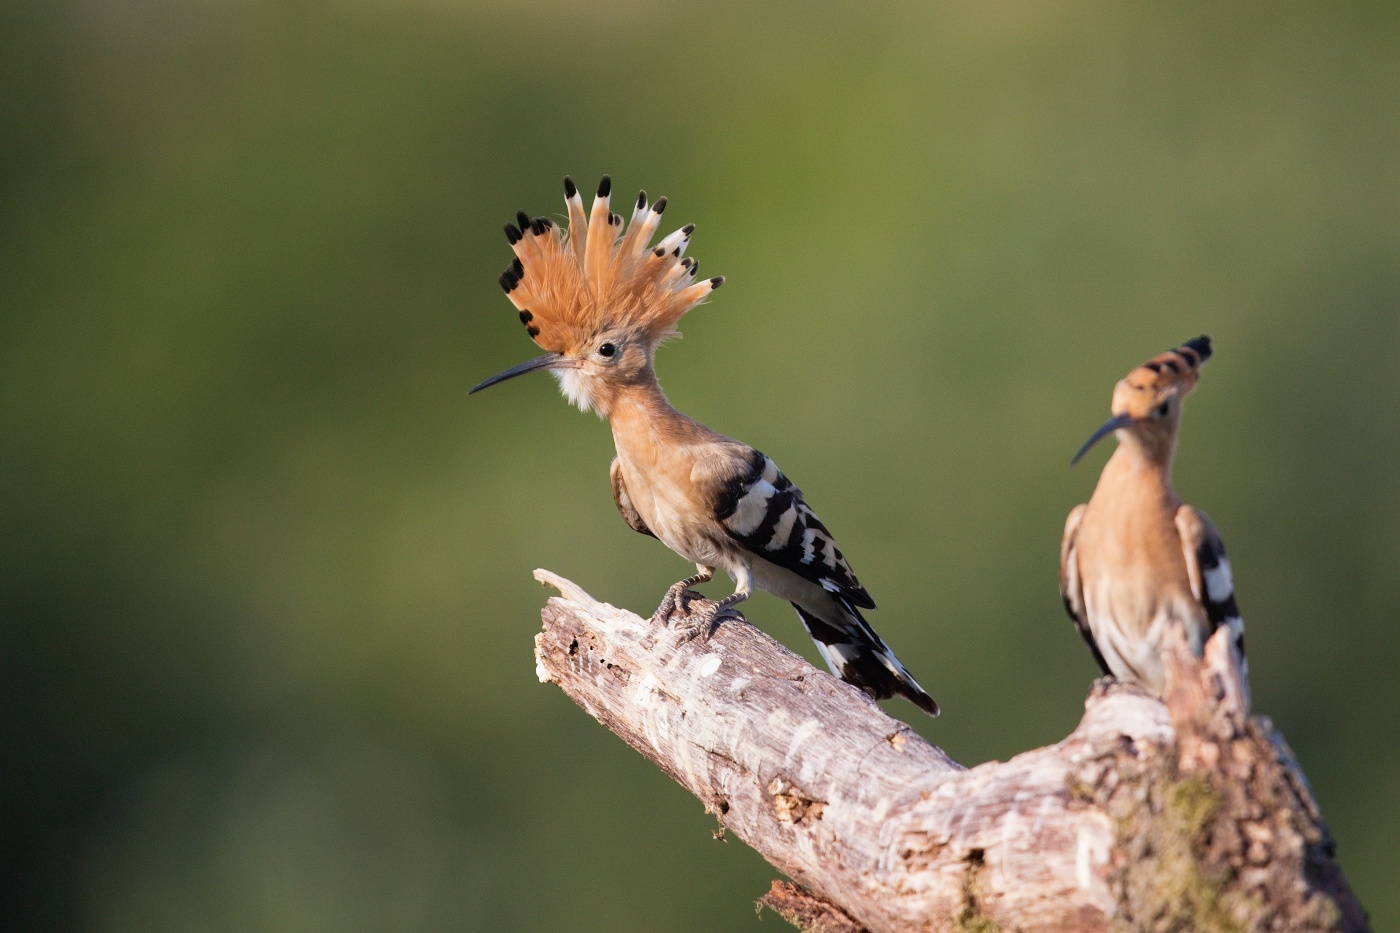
{"points": [[679, 597], [700, 624], [705, 621]]}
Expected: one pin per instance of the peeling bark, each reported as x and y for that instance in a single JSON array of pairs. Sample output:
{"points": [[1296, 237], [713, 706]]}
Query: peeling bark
{"points": [[1188, 815], [806, 911]]}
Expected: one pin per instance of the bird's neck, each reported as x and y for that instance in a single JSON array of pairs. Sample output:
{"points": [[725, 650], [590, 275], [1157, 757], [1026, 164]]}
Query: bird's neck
{"points": [[1140, 467], [642, 417]]}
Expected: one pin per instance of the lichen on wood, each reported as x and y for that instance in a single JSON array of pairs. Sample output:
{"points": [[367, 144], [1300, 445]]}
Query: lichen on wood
{"points": [[970, 918]]}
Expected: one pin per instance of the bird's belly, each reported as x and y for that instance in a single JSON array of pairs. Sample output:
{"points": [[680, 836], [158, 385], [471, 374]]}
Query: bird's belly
{"points": [[1128, 621], [675, 522], [691, 542]]}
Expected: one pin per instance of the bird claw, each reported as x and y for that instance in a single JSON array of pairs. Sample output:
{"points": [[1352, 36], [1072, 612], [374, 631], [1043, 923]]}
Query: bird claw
{"points": [[693, 624], [700, 625], [677, 597], [704, 623]]}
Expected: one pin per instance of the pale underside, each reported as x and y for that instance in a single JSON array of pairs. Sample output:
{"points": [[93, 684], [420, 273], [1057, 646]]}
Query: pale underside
{"points": [[1128, 570]]}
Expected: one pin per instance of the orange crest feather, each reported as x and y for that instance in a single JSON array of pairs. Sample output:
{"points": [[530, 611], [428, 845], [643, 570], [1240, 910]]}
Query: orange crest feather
{"points": [[570, 284], [1166, 376], [1179, 367]]}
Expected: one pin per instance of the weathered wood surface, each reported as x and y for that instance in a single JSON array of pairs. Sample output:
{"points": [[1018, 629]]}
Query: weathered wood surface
{"points": [[1119, 826]]}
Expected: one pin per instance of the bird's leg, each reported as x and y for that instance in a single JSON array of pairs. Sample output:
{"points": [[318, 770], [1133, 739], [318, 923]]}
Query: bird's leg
{"points": [[673, 595], [706, 619]]}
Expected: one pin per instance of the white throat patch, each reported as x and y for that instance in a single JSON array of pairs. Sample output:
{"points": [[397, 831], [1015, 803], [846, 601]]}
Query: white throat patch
{"points": [[574, 385]]}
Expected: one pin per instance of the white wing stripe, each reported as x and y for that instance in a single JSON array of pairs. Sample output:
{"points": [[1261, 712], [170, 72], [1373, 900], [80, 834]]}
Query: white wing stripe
{"points": [[751, 509], [1219, 584], [783, 530]]}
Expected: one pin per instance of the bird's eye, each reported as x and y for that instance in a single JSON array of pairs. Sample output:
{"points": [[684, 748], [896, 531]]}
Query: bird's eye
{"points": [[1162, 409], [607, 349]]}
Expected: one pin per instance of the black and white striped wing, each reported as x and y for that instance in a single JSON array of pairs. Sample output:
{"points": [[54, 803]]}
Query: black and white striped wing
{"points": [[762, 510], [1071, 590], [1209, 570]]}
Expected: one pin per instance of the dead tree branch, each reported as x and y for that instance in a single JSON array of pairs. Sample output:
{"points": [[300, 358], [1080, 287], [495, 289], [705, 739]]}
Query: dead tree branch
{"points": [[1185, 816]]}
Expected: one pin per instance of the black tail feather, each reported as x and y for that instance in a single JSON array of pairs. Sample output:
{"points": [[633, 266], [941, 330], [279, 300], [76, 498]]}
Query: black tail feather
{"points": [[860, 657]]}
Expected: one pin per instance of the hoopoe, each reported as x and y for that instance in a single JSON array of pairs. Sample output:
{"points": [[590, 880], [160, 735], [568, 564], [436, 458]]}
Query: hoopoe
{"points": [[1135, 556], [599, 298]]}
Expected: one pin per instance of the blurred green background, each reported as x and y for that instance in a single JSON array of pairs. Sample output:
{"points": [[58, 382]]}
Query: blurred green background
{"points": [[266, 606]]}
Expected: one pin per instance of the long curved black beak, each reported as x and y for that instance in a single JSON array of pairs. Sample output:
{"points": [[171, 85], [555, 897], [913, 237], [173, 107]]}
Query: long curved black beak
{"points": [[548, 361], [1107, 428]]}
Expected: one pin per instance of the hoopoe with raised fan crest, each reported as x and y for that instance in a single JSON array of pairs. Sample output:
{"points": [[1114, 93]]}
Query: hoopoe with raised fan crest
{"points": [[1136, 557], [599, 298]]}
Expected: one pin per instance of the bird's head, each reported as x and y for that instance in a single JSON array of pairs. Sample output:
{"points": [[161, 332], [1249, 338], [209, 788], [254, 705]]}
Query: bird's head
{"points": [[1147, 402], [598, 297]]}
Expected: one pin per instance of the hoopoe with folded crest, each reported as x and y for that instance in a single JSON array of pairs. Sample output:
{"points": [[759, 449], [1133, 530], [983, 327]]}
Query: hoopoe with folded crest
{"points": [[1136, 557], [599, 298]]}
